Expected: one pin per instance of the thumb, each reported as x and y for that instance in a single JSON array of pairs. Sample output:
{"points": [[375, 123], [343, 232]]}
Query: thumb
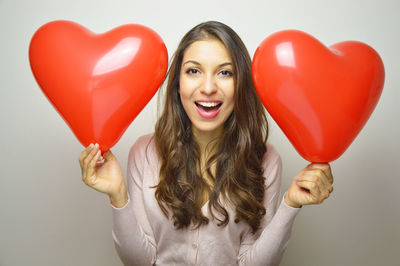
{"points": [[108, 156], [322, 166]]}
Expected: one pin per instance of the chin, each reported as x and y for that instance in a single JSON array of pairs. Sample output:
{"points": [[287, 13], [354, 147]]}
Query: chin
{"points": [[207, 128]]}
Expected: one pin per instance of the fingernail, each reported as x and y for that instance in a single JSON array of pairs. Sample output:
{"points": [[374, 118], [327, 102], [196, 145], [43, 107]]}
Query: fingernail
{"points": [[91, 146]]}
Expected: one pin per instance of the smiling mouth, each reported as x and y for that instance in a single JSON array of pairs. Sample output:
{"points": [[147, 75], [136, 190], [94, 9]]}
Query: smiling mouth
{"points": [[208, 110], [208, 106]]}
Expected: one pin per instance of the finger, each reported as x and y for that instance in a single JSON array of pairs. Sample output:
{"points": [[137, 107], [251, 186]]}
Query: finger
{"points": [[325, 167], [324, 185], [91, 177], [311, 187], [88, 165], [84, 157], [108, 156], [305, 196], [313, 194], [323, 181], [85, 153], [312, 175], [318, 176], [324, 175], [327, 188], [90, 155], [94, 160]]}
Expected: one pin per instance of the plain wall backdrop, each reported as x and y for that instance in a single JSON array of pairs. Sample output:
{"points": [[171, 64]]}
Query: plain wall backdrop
{"points": [[49, 217]]}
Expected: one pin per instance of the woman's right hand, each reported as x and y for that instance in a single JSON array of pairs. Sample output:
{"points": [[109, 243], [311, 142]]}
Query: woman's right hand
{"points": [[105, 177]]}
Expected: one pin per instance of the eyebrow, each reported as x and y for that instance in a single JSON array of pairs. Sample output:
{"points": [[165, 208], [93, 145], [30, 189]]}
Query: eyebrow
{"points": [[197, 63]]}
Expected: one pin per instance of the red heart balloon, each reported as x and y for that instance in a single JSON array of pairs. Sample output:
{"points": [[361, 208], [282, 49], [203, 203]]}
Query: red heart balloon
{"points": [[98, 82], [320, 96]]}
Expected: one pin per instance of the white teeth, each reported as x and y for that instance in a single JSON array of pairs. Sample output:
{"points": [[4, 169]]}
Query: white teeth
{"points": [[208, 104]]}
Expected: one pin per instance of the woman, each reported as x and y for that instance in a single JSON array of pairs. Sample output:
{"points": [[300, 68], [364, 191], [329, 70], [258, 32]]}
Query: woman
{"points": [[205, 188]]}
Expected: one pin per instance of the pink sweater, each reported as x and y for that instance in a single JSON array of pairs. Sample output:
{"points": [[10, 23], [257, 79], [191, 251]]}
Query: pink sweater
{"points": [[144, 236]]}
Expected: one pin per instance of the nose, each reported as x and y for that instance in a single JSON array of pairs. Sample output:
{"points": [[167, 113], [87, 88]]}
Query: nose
{"points": [[209, 85]]}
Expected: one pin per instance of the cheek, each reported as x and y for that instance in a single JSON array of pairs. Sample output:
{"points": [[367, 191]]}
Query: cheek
{"points": [[184, 100], [228, 87], [186, 86], [185, 96], [184, 93]]}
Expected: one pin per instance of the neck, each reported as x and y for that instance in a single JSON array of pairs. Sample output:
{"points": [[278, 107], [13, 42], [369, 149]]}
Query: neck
{"points": [[203, 138]]}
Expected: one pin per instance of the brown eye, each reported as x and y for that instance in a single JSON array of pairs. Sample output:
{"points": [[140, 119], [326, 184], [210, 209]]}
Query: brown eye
{"points": [[192, 71], [226, 73]]}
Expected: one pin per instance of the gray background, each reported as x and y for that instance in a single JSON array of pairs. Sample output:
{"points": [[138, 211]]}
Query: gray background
{"points": [[49, 217]]}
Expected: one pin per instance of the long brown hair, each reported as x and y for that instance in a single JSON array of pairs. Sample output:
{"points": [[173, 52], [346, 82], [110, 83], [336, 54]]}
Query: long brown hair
{"points": [[238, 176]]}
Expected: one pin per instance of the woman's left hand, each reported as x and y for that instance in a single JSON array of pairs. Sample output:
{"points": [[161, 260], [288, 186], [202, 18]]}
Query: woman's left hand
{"points": [[311, 186]]}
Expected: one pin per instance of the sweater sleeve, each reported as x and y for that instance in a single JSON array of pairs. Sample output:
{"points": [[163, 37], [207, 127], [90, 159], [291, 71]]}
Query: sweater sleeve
{"points": [[267, 246], [133, 238]]}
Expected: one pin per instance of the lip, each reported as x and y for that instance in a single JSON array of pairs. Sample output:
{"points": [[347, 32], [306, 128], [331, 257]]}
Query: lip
{"points": [[205, 114]]}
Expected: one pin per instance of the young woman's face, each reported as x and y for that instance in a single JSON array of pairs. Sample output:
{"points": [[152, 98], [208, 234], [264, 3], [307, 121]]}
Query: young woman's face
{"points": [[207, 85]]}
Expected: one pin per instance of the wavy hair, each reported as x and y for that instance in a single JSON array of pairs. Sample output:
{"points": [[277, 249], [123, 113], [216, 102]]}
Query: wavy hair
{"points": [[238, 175]]}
